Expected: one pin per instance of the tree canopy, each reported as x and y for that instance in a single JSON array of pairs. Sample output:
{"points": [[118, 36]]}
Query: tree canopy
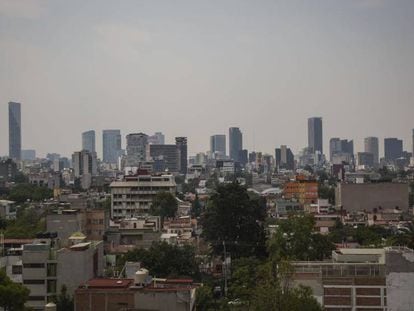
{"points": [[12, 295], [27, 224], [165, 260], [25, 191], [295, 240], [231, 216], [164, 204]]}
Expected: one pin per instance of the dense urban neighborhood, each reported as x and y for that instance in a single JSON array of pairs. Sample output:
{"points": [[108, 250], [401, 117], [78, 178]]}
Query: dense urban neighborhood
{"points": [[151, 228]]}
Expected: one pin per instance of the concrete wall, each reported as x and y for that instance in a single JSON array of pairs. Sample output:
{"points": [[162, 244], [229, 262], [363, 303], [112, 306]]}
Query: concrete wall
{"points": [[400, 280], [359, 197], [76, 267], [165, 301]]}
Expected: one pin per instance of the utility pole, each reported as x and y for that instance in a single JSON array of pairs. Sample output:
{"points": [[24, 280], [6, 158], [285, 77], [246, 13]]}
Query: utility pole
{"points": [[225, 269]]}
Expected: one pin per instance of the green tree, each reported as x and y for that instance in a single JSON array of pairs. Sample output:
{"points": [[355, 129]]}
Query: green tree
{"points": [[295, 240], [196, 207], [165, 260], [232, 217], [12, 295], [23, 192], [164, 205], [326, 192], [275, 292], [204, 298], [27, 224], [243, 279], [64, 302]]}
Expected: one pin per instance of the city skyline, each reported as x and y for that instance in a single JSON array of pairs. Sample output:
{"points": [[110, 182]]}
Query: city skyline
{"points": [[264, 69]]}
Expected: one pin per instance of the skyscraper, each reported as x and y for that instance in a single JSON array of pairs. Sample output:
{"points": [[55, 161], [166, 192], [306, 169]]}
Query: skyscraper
{"points": [[157, 139], [393, 148], [235, 143], [88, 141], [136, 149], [334, 147], [284, 158], [111, 145], [218, 145], [181, 143], [315, 136], [15, 134], [371, 146], [412, 152]]}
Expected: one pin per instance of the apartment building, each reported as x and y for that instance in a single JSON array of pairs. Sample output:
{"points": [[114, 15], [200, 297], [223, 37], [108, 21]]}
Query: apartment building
{"points": [[133, 196], [45, 268], [361, 279]]}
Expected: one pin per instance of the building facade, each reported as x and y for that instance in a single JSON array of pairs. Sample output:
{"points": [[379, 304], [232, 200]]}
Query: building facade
{"points": [[235, 143], [315, 135], [181, 143], [15, 131], [88, 141], [165, 157], [366, 159], [136, 149], [218, 146], [371, 146], [393, 148], [369, 196], [111, 146], [284, 158], [157, 139], [133, 196]]}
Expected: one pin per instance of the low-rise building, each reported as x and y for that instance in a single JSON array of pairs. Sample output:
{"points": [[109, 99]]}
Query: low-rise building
{"points": [[141, 293], [130, 233], [46, 268], [361, 279], [369, 196]]}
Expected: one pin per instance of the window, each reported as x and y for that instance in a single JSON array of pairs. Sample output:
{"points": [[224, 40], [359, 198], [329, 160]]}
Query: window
{"points": [[33, 281], [36, 298], [33, 265], [51, 269], [17, 269], [51, 286], [101, 221]]}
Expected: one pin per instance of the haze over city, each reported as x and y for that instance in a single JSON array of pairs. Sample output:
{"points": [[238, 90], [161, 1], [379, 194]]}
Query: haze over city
{"points": [[195, 68]]}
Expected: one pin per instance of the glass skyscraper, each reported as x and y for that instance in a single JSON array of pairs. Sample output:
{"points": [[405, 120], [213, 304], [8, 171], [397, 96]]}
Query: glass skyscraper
{"points": [[15, 133], [235, 143], [315, 138], [88, 141], [111, 145]]}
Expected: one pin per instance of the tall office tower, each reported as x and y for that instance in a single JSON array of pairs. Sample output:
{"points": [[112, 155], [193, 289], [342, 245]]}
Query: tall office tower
{"points": [[88, 141], [157, 139], [181, 143], [243, 157], [136, 149], [165, 157], [218, 145], [111, 145], [393, 148], [371, 146], [412, 152], [315, 137], [84, 163], [366, 159], [341, 150], [15, 131], [284, 158], [334, 147], [235, 143]]}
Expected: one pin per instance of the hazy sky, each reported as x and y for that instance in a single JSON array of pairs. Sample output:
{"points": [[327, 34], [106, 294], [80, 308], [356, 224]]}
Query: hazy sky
{"points": [[194, 68]]}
